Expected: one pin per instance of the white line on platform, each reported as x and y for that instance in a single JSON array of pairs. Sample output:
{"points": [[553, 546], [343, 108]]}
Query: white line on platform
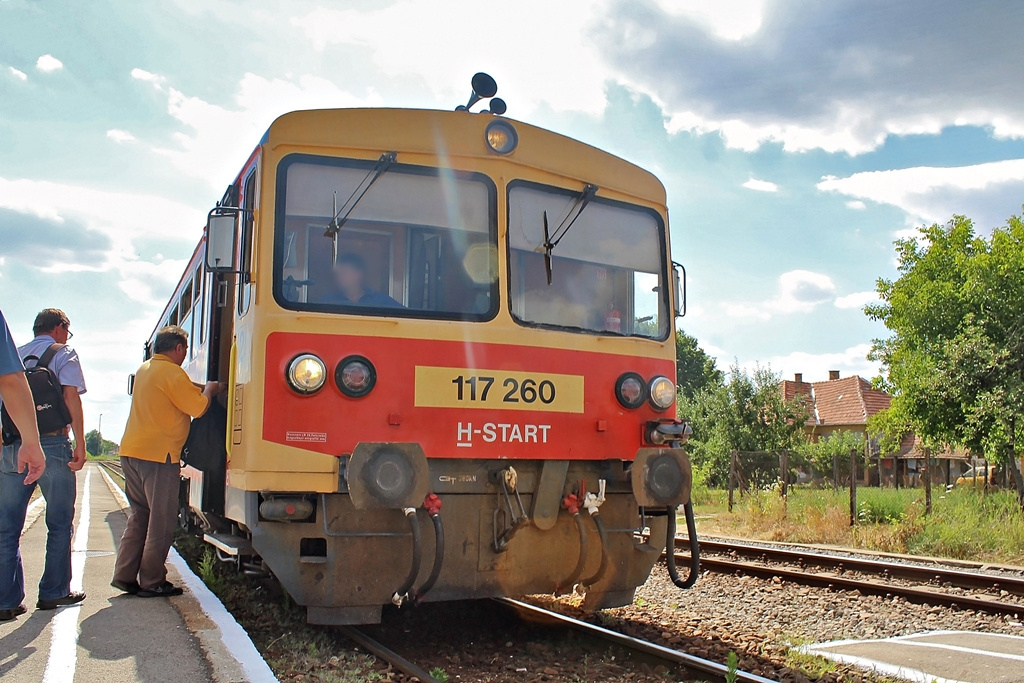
{"points": [[234, 637], [60, 666], [960, 648], [885, 668]]}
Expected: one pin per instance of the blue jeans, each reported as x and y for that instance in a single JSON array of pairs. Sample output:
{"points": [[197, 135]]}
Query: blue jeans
{"points": [[58, 488]]}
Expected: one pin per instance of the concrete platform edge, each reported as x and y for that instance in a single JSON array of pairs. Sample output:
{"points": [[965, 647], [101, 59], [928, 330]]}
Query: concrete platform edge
{"points": [[229, 651]]}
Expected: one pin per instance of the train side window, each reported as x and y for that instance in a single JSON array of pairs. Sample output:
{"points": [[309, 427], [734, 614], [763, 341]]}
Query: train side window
{"points": [[200, 306], [246, 243]]}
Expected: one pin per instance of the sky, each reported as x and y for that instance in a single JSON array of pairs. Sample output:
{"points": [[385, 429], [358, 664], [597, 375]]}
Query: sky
{"points": [[796, 138]]}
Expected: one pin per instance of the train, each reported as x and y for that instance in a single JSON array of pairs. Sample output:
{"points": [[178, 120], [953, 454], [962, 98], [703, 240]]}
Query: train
{"points": [[448, 342]]}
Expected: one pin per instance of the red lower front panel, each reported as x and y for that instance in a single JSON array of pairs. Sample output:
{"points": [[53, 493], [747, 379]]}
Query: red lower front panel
{"points": [[460, 399]]}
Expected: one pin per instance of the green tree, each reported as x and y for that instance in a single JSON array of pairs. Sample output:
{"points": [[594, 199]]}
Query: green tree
{"points": [[746, 413], [954, 360], [839, 443], [93, 443], [96, 445], [695, 369]]}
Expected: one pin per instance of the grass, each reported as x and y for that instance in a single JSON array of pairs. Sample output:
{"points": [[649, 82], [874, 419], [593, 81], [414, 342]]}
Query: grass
{"points": [[964, 524], [295, 650]]}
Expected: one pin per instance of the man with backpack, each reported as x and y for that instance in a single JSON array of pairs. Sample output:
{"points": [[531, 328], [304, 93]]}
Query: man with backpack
{"points": [[55, 377]]}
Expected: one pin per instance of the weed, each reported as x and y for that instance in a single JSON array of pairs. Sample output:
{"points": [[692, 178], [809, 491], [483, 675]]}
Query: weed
{"points": [[440, 674], [812, 666], [208, 571], [733, 664]]}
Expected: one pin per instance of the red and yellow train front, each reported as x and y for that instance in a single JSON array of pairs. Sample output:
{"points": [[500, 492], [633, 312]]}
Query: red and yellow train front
{"points": [[457, 360]]}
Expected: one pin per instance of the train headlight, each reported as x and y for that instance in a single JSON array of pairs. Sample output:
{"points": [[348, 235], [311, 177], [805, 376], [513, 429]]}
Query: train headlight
{"points": [[355, 376], [306, 374], [501, 137], [663, 393], [631, 390]]}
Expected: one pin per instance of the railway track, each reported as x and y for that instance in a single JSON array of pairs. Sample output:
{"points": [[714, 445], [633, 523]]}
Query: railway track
{"points": [[112, 467], [705, 669], [867, 575]]}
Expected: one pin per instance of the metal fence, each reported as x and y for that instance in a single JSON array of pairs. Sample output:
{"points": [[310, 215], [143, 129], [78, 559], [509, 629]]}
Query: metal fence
{"points": [[878, 489]]}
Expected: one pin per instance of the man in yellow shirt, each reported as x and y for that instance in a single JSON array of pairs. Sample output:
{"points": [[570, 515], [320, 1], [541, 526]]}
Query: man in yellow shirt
{"points": [[164, 401]]}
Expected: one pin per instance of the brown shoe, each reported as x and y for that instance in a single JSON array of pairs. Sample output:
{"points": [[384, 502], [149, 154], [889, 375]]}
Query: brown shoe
{"points": [[165, 590], [72, 598], [12, 613]]}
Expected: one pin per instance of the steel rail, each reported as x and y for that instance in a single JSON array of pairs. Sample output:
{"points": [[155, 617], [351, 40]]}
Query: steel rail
{"points": [[703, 666], [387, 654], [929, 596], [956, 577]]}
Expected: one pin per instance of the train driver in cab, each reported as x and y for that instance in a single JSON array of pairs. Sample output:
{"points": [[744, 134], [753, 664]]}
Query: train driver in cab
{"points": [[351, 288]]}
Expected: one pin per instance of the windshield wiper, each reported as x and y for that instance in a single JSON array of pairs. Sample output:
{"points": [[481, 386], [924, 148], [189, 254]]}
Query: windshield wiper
{"points": [[551, 240], [342, 215]]}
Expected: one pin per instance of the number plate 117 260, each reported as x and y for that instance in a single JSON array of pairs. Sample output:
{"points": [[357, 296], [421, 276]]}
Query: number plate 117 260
{"points": [[498, 390]]}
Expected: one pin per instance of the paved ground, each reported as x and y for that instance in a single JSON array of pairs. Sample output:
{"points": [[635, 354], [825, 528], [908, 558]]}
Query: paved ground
{"points": [[937, 656], [111, 636]]}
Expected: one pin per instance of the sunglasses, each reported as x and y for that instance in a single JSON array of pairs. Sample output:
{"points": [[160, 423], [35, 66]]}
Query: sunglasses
{"points": [[67, 326]]}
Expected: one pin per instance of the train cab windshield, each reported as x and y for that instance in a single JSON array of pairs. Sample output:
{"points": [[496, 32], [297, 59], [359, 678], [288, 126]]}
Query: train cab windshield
{"points": [[607, 272], [419, 243]]}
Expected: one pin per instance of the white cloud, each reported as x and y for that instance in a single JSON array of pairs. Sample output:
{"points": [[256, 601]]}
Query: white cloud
{"points": [[143, 75], [540, 52], [856, 300], [874, 73], [761, 185], [798, 291], [118, 135], [726, 19], [815, 366], [217, 139], [122, 216], [856, 205], [49, 63], [18, 73], [933, 194]]}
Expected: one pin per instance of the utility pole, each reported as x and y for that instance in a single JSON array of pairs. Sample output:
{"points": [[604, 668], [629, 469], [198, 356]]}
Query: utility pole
{"points": [[100, 430]]}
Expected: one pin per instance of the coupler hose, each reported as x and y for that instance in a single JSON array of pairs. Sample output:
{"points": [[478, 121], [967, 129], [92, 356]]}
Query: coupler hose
{"points": [[670, 547], [603, 534], [402, 594], [593, 504], [433, 505], [572, 504]]}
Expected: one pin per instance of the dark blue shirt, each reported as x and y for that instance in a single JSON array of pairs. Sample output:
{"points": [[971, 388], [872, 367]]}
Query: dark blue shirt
{"points": [[10, 361], [370, 298]]}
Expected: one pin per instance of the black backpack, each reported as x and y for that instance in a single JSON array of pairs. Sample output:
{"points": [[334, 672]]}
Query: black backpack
{"points": [[52, 413]]}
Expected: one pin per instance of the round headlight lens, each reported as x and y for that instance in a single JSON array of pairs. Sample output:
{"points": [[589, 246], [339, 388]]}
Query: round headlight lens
{"points": [[663, 393], [355, 376], [631, 390], [306, 374], [501, 137]]}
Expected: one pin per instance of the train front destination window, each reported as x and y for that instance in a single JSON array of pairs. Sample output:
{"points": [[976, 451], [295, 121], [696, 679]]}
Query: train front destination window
{"points": [[419, 242], [605, 272]]}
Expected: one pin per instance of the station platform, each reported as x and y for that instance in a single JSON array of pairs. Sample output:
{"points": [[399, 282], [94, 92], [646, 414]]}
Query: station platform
{"points": [[934, 656], [112, 636]]}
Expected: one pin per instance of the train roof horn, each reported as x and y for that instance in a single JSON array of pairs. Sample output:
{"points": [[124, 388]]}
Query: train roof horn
{"points": [[484, 88]]}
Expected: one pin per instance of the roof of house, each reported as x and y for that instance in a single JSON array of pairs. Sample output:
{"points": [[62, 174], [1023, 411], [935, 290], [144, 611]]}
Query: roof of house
{"points": [[839, 402]]}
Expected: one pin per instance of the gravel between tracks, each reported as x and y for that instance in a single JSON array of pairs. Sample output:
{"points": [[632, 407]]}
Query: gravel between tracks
{"points": [[758, 617]]}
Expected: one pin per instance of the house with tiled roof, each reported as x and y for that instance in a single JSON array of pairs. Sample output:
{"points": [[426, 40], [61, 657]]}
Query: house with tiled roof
{"points": [[846, 404], [837, 404]]}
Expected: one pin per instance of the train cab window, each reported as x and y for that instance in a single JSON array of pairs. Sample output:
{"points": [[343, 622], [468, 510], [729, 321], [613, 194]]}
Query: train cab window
{"points": [[419, 242], [607, 269]]}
